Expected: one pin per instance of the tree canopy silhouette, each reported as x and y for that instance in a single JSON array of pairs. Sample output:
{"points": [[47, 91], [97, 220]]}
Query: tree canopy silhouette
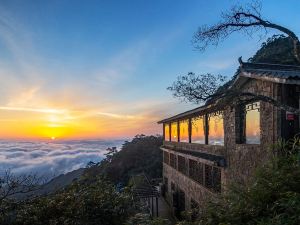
{"points": [[277, 49], [247, 19]]}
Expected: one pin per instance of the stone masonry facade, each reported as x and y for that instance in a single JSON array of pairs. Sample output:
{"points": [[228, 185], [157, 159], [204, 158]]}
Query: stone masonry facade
{"points": [[235, 161]]}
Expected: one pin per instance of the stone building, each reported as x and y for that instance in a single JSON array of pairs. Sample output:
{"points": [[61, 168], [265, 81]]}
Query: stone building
{"points": [[208, 147]]}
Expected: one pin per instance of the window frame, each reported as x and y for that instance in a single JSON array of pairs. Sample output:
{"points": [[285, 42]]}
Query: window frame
{"points": [[204, 128], [189, 120], [241, 120], [173, 160], [169, 136], [182, 164], [176, 138], [188, 130], [258, 108], [166, 157], [215, 113]]}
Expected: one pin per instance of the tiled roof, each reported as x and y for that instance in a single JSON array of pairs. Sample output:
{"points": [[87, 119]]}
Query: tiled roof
{"points": [[184, 114], [274, 72], [288, 74]]}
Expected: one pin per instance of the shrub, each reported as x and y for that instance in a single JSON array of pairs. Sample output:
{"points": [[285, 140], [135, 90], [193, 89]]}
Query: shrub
{"points": [[271, 198], [83, 203]]}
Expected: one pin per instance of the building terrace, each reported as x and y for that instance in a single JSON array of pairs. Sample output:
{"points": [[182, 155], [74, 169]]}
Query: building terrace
{"points": [[207, 148]]}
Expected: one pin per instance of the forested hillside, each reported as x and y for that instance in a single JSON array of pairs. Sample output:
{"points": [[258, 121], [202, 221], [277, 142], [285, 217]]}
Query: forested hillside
{"points": [[276, 50], [141, 155], [94, 198]]}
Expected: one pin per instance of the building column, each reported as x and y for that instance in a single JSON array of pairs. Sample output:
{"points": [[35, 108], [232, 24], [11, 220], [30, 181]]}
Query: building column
{"points": [[190, 130], [206, 128], [178, 131]]}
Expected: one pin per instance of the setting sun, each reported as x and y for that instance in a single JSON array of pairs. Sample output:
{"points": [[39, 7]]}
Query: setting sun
{"points": [[53, 123]]}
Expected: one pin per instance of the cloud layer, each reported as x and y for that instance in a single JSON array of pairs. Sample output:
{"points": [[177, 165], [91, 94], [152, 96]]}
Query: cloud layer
{"points": [[51, 158]]}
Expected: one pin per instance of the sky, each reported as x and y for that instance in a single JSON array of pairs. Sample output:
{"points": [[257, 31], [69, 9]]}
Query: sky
{"points": [[100, 69]]}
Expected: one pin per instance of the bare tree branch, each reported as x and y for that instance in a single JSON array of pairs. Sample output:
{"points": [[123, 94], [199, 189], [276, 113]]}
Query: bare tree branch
{"points": [[196, 88], [11, 185], [211, 88], [246, 19]]}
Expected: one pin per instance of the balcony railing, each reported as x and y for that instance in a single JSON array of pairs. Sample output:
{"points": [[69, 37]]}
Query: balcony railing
{"points": [[209, 149]]}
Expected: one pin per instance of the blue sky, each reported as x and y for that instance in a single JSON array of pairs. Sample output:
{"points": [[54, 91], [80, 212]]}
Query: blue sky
{"points": [[112, 60]]}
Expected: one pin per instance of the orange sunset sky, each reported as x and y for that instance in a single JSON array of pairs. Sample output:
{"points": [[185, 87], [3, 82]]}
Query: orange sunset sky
{"points": [[73, 70]]}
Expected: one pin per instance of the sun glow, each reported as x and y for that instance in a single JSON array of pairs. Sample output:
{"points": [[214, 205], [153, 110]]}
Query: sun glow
{"points": [[52, 124]]}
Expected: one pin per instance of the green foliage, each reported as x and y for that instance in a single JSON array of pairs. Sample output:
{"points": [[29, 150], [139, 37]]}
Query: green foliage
{"points": [[288, 148], [144, 219], [141, 155], [276, 50], [94, 200], [271, 198], [83, 203]]}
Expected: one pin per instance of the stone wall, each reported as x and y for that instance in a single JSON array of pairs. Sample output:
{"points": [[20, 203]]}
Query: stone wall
{"points": [[191, 189], [241, 158], [211, 149]]}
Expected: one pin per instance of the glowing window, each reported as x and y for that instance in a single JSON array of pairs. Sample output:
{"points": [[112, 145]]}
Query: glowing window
{"points": [[174, 132], [167, 132], [184, 131], [253, 123], [216, 129], [198, 135]]}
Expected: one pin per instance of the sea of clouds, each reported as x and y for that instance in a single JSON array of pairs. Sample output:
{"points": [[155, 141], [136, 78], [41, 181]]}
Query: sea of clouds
{"points": [[51, 158]]}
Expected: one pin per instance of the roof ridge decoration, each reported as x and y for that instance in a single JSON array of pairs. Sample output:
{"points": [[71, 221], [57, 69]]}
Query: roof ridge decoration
{"points": [[277, 73], [267, 66]]}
